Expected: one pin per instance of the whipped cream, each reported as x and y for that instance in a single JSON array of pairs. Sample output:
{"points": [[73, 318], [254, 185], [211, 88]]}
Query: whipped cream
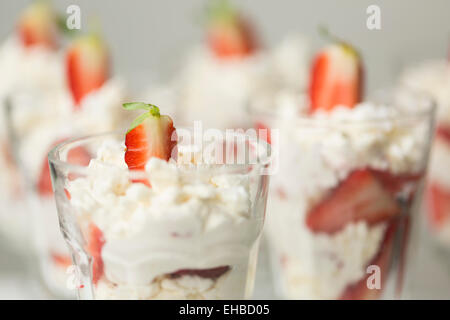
{"points": [[434, 78], [325, 154], [42, 120], [29, 68], [319, 266], [181, 222]]}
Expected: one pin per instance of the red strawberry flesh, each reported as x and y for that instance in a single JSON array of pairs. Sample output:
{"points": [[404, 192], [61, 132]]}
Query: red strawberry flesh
{"points": [[153, 137], [396, 184], [37, 26], [95, 245], [86, 66], [438, 203], [263, 132], [61, 260], [360, 197], [229, 34], [336, 78], [443, 132]]}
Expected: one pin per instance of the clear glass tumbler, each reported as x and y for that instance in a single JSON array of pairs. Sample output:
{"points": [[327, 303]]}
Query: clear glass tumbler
{"points": [[343, 206], [185, 229]]}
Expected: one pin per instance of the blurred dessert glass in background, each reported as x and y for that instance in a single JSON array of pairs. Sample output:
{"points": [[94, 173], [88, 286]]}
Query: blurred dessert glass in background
{"points": [[88, 101], [433, 77], [341, 206]]}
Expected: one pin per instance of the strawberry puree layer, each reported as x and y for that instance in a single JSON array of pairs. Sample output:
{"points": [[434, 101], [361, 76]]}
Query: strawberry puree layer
{"points": [[185, 237], [336, 195]]}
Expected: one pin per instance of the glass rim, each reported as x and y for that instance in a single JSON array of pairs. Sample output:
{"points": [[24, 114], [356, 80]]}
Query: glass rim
{"points": [[428, 111], [220, 168]]}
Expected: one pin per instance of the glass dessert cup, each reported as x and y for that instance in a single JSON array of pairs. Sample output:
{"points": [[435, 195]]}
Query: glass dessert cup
{"points": [[193, 234], [343, 205]]}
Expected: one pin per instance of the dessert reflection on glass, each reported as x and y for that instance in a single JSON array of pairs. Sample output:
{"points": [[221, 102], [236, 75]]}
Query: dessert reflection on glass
{"points": [[340, 206], [434, 78], [159, 214], [89, 102], [29, 62]]}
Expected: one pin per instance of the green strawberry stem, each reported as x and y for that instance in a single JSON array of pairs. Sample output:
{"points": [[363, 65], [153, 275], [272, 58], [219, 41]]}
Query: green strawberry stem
{"points": [[220, 10], [152, 111], [326, 34], [62, 26]]}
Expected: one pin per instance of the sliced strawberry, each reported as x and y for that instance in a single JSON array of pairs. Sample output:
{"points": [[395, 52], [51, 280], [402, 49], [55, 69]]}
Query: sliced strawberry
{"points": [[360, 290], [443, 132], [336, 78], [263, 132], [150, 135], [229, 34], [95, 245], [397, 184], [61, 260], [212, 273], [78, 156], [438, 202], [359, 197], [37, 25], [86, 66]]}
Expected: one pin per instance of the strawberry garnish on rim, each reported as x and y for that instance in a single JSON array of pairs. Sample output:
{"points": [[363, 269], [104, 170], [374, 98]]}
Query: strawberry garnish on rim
{"points": [[86, 66], [229, 35], [336, 77], [150, 135], [38, 25], [360, 197]]}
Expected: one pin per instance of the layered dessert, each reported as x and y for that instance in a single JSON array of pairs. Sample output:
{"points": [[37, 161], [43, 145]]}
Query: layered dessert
{"points": [[30, 62], [348, 174], [42, 119], [161, 220], [217, 78], [434, 78]]}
